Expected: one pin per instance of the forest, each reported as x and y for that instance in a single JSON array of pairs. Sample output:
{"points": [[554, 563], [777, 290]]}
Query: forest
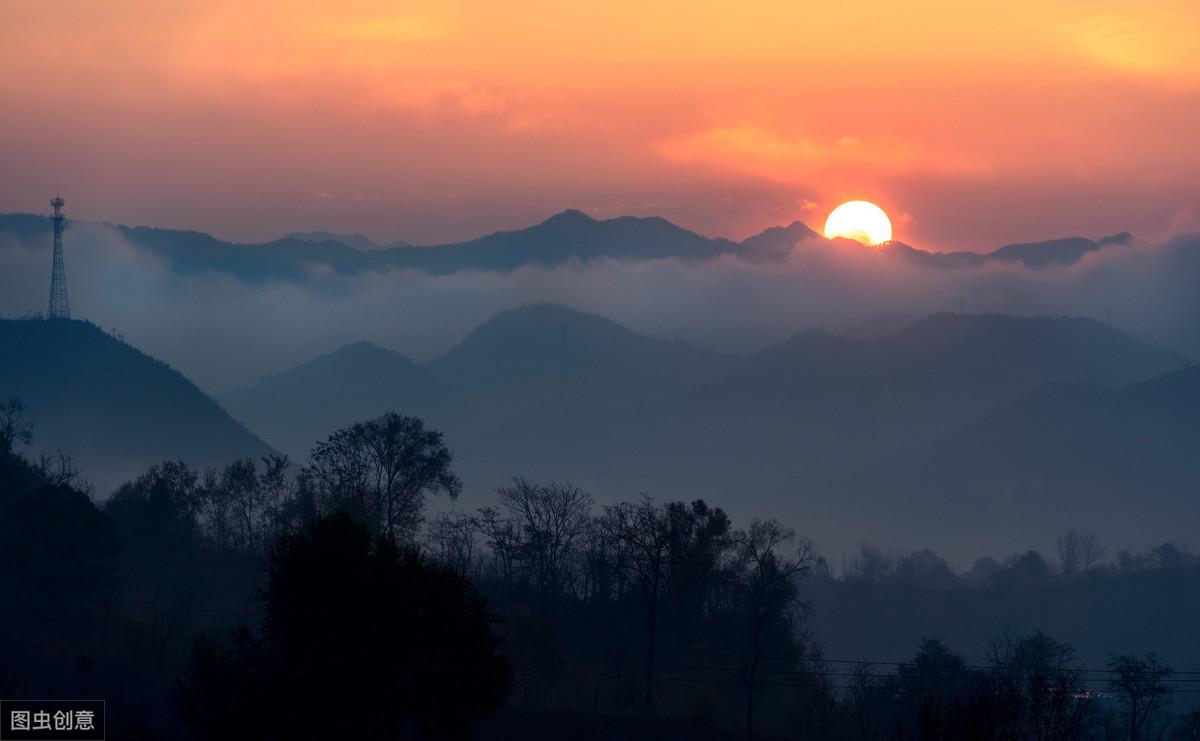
{"points": [[272, 598]]}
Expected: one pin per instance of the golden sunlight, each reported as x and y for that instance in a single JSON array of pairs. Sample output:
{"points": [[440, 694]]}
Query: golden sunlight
{"points": [[861, 221]]}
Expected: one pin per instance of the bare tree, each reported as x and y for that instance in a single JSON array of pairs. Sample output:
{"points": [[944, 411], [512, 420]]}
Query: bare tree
{"points": [[767, 585], [503, 538], [641, 534], [1036, 681], [871, 564], [553, 520], [278, 496], [1140, 684], [452, 540], [1078, 553], [13, 427]]}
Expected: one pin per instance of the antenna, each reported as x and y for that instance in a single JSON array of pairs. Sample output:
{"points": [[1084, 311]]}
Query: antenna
{"points": [[60, 307]]}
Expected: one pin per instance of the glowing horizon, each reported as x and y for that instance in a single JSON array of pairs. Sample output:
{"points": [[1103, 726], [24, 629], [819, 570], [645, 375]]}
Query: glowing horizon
{"points": [[434, 122]]}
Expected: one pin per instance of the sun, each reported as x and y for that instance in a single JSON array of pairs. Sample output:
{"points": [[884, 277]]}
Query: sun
{"points": [[861, 221]]}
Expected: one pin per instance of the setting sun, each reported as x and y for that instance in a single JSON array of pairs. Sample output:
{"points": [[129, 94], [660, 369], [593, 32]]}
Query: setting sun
{"points": [[861, 221]]}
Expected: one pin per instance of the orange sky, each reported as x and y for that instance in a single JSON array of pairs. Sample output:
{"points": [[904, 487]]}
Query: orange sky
{"points": [[437, 121]]}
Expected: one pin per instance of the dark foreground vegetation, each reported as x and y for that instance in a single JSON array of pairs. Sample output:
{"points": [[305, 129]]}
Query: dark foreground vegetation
{"points": [[268, 600]]}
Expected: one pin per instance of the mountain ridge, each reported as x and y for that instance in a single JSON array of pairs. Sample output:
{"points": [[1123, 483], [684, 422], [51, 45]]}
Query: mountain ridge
{"points": [[113, 408], [563, 237]]}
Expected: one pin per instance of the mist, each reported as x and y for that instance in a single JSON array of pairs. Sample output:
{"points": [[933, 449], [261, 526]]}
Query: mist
{"points": [[225, 334]]}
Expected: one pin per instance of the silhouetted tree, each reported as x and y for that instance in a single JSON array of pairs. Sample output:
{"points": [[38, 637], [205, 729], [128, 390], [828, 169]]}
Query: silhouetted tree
{"points": [[552, 520], [766, 583], [699, 539], [1078, 553], [1037, 688], [640, 533], [452, 540], [155, 517], [1140, 684], [17, 475], [1026, 569], [370, 639], [871, 564], [930, 686], [382, 470], [14, 428]]}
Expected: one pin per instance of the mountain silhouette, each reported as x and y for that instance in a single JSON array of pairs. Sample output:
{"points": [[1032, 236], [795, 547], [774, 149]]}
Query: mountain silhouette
{"points": [[568, 236], [1057, 251], [357, 241], [554, 393], [299, 406], [831, 400], [115, 410], [520, 365]]}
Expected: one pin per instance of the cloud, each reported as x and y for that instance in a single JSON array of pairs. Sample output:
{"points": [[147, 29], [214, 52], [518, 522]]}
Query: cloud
{"points": [[792, 157], [225, 334]]}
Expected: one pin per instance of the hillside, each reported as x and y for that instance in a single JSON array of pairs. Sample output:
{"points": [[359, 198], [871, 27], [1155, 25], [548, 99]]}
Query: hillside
{"points": [[549, 392], [113, 408], [1069, 455], [821, 401], [519, 366]]}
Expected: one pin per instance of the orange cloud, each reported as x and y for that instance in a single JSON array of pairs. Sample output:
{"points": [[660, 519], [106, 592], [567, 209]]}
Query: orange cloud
{"points": [[794, 158]]}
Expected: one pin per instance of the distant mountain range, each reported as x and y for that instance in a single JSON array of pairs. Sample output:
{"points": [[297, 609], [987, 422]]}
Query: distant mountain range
{"points": [[540, 359], [115, 410], [357, 241], [965, 433], [565, 237], [1067, 455], [816, 426]]}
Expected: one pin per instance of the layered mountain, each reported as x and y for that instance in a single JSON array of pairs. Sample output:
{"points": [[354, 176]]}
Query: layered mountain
{"points": [[523, 364], [115, 410], [565, 237], [822, 402], [548, 392], [1070, 455]]}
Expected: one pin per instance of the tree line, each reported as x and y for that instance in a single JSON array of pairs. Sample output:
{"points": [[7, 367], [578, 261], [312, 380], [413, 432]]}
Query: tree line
{"points": [[267, 585]]}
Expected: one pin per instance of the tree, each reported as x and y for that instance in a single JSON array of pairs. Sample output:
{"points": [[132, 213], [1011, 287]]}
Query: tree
{"points": [[552, 520], [1139, 683], [871, 565], [371, 639], [1037, 687], [156, 518], [382, 470], [767, 586], [1078, 553], [699, 539], [13, 427], [931, 684], [639, 532], [452, 540], [1026, 569]]}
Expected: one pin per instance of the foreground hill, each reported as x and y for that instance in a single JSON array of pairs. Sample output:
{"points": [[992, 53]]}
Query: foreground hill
{"points": [[114, 409]]}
